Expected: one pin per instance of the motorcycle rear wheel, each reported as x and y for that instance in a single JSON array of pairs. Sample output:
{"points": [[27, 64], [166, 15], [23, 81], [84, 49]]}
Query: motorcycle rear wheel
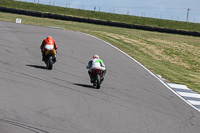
{"points": [[98, 81], [50, 63]]}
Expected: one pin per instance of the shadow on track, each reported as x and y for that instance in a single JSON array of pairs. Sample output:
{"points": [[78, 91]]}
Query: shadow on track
{"points": [[36, 66], [84, 85]]}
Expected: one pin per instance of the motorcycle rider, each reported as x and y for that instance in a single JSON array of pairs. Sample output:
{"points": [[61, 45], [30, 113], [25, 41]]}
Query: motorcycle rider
{"points": [[96, 62], [48, 41]]}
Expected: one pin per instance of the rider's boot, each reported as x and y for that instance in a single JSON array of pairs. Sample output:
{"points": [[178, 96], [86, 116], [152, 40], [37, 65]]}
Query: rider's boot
{"points": [[102, 78], [91, 78], [43, 59], [54, 59]]}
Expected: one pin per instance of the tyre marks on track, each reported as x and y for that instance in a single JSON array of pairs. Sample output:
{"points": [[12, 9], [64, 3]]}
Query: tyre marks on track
{"points": [[24, 126]]}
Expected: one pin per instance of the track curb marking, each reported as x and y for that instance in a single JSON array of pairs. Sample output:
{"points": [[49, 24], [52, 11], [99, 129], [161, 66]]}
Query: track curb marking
{"points": [[184, 96], [191, 96]]}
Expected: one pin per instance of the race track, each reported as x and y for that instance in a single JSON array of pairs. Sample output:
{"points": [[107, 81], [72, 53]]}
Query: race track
{"points": [[36, 100]]}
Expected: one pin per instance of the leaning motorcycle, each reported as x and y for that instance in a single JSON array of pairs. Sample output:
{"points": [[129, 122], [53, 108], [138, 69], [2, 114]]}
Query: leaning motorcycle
{"points": [[49, 56], [97, 74]]}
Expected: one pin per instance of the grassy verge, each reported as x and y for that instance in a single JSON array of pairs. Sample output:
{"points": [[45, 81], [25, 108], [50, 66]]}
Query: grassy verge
{"points": [[103, 16], [175, 57]]}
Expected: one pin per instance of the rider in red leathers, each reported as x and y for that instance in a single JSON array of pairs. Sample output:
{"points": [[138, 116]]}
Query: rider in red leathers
{"points": [[48, 41]]}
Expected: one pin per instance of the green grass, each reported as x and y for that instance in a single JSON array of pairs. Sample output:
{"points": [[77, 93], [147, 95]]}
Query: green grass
{"points": [[102, 16], [175, 57]]}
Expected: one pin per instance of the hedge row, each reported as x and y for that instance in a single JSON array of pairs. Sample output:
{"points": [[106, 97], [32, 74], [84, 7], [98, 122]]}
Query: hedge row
{"points": [[100, 22]]}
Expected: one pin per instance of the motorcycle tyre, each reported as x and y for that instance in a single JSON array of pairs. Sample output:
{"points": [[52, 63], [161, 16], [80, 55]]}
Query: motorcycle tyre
{"points": [[50, 63], [98, 81]]}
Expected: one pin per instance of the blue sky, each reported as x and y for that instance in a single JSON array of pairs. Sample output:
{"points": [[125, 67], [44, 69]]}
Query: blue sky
{"points": [[164, 9]]}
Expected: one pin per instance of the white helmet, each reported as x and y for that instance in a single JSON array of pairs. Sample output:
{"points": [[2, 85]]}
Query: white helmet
{"points": [[95, 56]]}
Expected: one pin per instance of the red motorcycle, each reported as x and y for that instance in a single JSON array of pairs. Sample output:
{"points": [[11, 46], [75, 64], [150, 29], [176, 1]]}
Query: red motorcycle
{"points": [[98, 77]]}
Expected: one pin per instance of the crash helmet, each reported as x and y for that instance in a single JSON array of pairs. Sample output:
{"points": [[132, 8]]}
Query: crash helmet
{"points": [[48, 37], [95, 56]]}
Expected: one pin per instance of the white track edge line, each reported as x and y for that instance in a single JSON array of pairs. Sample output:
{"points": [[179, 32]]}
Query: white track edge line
{"points": [[146, 70], [165, 84]]}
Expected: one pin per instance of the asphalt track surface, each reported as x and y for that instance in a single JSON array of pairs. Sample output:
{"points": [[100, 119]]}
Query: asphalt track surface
{"points": [[62, 100]]}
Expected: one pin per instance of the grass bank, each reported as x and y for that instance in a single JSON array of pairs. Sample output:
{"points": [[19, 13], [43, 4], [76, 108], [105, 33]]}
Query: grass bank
{"points": [[174, 57], [103, 16]]}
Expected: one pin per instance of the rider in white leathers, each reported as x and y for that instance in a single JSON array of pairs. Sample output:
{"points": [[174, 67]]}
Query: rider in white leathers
{"points": [[95, 63]]}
